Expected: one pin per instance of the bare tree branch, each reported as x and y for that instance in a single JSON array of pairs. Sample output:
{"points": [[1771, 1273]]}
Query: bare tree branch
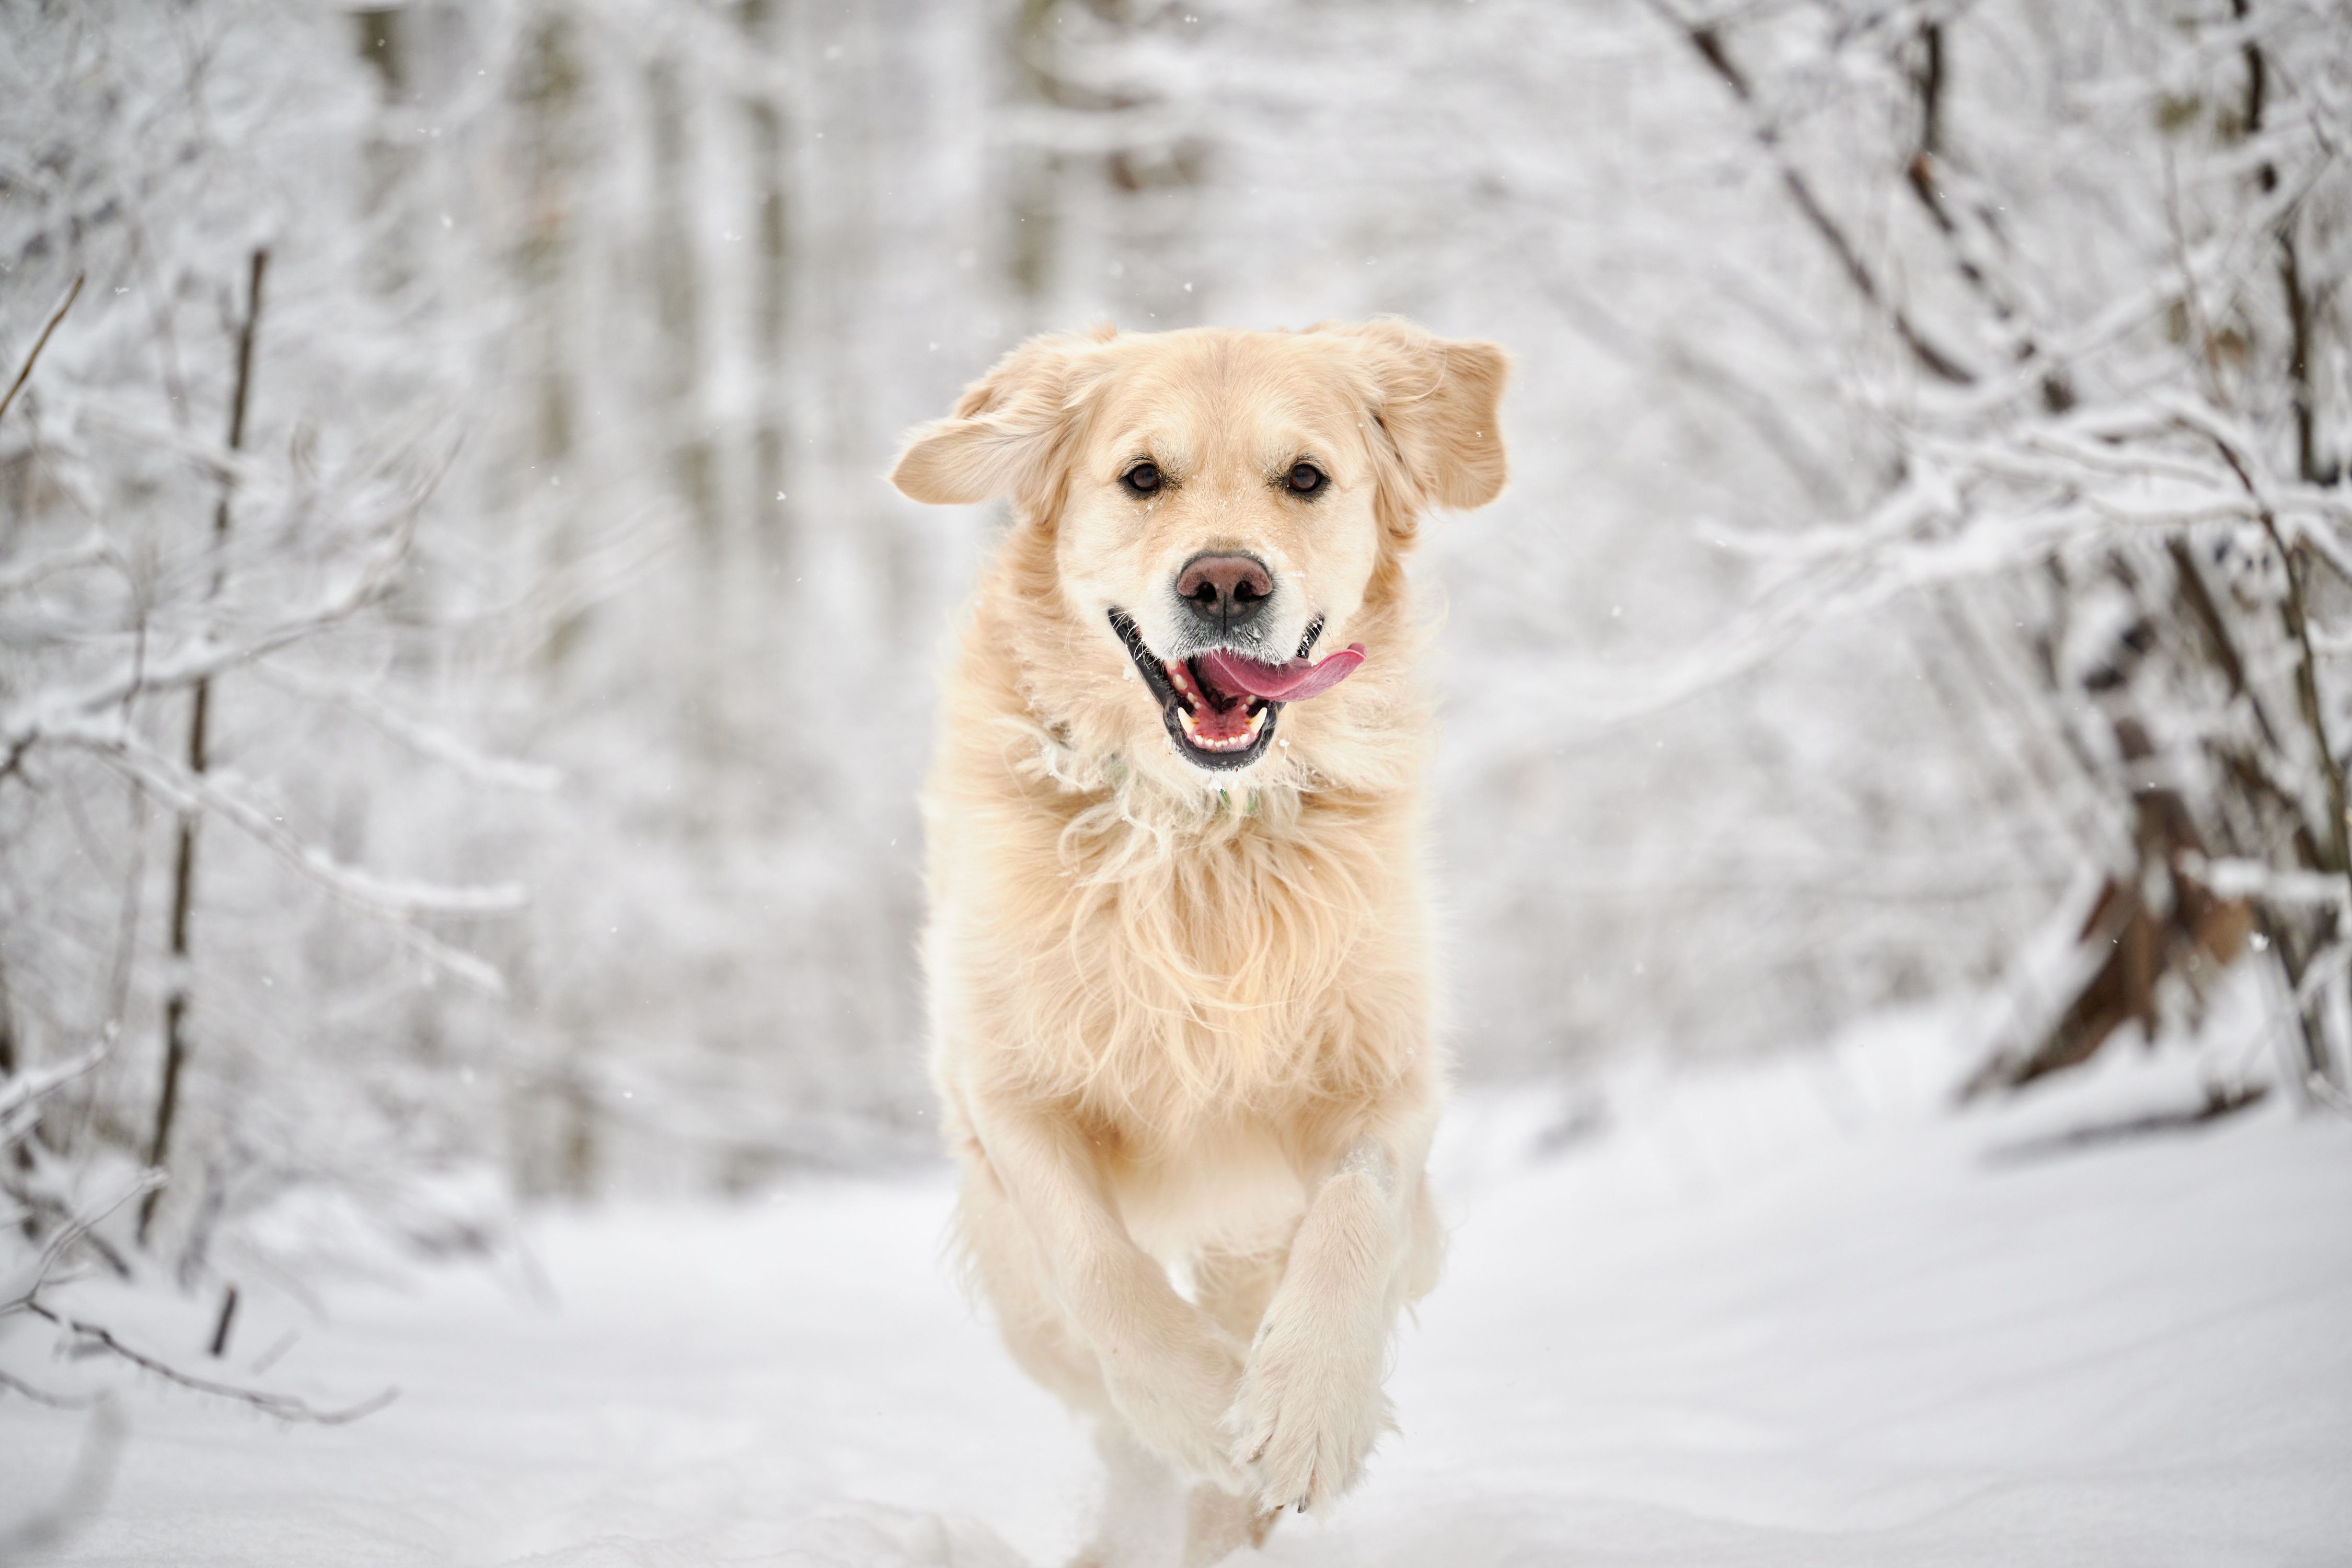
{"points": [[25, 372], [1706, 39], [285, 1407]]}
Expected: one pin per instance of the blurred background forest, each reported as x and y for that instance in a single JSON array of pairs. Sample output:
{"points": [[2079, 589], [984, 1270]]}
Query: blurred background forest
{"points": [[464, 682]]}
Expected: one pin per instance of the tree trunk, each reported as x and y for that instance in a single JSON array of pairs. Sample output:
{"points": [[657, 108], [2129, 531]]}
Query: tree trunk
{"points": [[678, 307], [771, 505], [183, 868]]}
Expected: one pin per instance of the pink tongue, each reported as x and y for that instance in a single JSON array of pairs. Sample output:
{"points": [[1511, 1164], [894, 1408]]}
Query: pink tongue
{"points": [[1292, 682]]}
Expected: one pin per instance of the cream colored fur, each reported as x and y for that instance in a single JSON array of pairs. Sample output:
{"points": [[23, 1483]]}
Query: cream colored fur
{"points": [[1182, 1017]]}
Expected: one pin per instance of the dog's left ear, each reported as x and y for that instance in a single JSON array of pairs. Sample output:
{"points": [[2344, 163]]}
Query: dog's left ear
{"points": [[1437, 399], [1005, 432]]}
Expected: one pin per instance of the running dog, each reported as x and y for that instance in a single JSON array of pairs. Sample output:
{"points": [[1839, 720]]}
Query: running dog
{"points": [[1177, 949]]}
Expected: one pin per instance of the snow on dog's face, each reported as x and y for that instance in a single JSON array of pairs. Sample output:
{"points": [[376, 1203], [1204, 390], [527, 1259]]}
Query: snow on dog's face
{"points": [[1215, 509]]}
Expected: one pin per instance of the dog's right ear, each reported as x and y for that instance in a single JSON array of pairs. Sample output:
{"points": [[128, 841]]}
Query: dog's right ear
{"points": [[1006, 434]]}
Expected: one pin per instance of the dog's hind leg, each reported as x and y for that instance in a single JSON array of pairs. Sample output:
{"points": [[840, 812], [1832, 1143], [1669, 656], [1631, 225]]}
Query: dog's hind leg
{"points": [[1170, 1373], [1142, 1511], [1217, 1525], [1233, 1289], [1003, 1262]]}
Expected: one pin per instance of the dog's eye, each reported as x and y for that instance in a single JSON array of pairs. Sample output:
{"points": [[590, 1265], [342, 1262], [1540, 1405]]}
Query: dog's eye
{"points": [[1143, 479], [1304, 479]]}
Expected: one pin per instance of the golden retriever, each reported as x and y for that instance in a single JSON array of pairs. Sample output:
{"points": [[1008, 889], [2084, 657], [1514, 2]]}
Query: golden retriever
{"points": [[1177, 950]]}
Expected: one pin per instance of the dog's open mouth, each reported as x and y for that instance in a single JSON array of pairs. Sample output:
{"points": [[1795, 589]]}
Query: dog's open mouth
{"points": [[1220, 706]]}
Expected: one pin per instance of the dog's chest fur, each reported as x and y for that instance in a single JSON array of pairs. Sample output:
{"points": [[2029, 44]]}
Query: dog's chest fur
{"points": [[1162, 978]]}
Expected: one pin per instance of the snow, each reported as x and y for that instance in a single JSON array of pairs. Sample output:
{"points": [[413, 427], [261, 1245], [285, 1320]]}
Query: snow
{"points": [[1797, 1313]]}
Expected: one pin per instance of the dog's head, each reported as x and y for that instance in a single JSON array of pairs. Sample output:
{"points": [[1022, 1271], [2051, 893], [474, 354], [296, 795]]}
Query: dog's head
{"points": [[1208, 510]]}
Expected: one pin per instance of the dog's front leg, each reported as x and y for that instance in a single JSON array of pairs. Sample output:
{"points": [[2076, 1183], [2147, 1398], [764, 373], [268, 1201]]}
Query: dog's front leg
{"points": [[1170, 1372], [1311, 1406]]}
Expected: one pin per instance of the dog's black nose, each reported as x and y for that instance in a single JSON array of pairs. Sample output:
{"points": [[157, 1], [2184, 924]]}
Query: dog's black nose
{"points": [[1224, 592]]}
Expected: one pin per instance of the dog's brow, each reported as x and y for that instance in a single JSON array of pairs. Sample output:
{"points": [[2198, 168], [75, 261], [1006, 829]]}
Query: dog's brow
{"points": [[1162, 445], [1285, 445]]}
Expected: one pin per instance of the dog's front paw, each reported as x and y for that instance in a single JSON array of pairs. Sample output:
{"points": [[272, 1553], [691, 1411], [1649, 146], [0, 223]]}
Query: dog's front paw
{"points": [[1173, 1401], [1309, 1411]]}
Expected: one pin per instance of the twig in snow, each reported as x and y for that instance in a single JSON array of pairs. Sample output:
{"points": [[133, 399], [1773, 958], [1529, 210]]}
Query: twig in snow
{"points": [[39, 1396], [2219, 1103], [2322, 1092], [285, 1407]]}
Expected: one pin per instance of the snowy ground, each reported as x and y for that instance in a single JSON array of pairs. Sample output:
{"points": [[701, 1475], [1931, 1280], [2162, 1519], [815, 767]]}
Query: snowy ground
{"points": [[1801, 1315]]}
